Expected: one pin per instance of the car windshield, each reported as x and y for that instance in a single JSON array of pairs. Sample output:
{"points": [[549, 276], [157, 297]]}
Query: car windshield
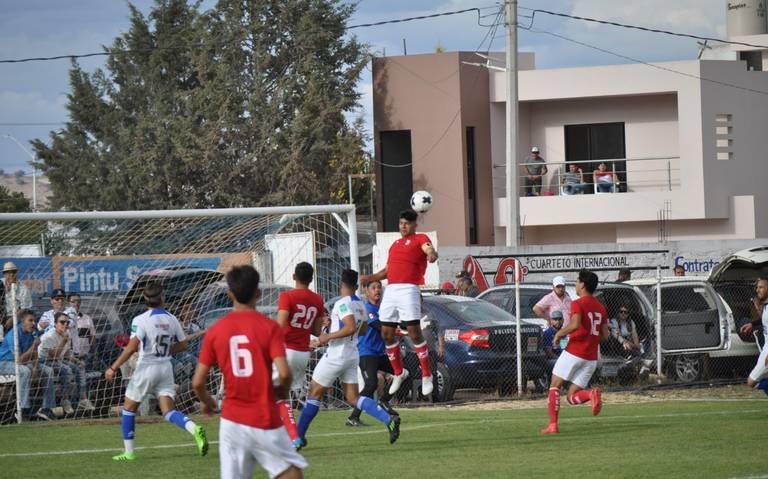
{"points": [[505, 299], [478, 313]]}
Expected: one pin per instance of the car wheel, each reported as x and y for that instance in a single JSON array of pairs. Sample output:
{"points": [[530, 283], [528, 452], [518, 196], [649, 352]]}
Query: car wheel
{"points": [[688, 367], [443, 386]]}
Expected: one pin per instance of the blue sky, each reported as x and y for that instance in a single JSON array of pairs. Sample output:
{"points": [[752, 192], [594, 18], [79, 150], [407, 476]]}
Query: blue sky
{"points": [[36, 92]]}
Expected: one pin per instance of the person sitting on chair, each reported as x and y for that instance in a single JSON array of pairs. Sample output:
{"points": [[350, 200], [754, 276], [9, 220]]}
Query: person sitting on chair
{"points": [[573, 180], [624, 331], [604, 179]]}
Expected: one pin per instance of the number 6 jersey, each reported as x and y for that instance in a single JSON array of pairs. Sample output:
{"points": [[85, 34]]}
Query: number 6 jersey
{"points": [[157, 330]]}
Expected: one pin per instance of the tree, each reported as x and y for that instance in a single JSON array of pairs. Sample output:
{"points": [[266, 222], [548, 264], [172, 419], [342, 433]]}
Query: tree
{"points": [[241, 105], [13, 201]]}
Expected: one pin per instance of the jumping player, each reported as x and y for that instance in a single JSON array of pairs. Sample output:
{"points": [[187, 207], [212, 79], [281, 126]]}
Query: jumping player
{"points": [[373, 354], [340, 360], [401, 304], [156, 334], [300, 313], [758, 377], [587, 327], [245, 344]]}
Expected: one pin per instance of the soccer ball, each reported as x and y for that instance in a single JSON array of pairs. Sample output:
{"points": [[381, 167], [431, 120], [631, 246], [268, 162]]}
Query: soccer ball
{"points": [[421, 201]]}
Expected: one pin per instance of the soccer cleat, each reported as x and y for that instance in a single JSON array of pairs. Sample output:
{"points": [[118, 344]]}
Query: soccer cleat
{"points": [[426, 385], [44, 414], [397, 381], [201, 441], [388, 407], [299, 443], [126, 456], [86, 404], [67, 407], [551, 429], [354, 422], [394, 429], [596, 397]]}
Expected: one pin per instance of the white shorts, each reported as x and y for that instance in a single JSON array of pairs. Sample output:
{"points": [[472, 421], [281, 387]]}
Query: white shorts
{"points": [[241, 447], [574, 369], [760, 371], [401, 302], [328, 369], [155, 379], [297, 362]]}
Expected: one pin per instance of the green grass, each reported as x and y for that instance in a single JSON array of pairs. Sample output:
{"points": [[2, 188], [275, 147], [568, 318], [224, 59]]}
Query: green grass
{"points": [[696, 439]]}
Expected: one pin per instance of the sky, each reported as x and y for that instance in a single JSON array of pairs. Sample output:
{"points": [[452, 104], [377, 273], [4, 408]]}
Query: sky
{"points": [[36, 93]]}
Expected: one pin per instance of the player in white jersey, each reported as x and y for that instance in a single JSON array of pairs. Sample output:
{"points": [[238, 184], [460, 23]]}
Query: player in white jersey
{"points": [[155, 334], [758, 378], [348, 320]]}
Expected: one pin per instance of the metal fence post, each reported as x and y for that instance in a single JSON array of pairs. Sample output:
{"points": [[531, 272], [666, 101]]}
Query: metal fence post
{"points": [[518, 341], [16, 352], [658, 320]]}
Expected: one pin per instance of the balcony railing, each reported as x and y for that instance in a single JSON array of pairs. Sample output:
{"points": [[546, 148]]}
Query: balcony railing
{"points": [[629, 175]]}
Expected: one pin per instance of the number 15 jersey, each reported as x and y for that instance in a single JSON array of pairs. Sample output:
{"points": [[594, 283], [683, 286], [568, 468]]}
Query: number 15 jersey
{"points": [[157, 330], [585, 341], [303, 306]]}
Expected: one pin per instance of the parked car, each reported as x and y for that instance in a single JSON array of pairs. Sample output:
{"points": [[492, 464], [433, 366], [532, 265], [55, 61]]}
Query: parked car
{"points": [[745, 265], [480, 347], [704, 312]]}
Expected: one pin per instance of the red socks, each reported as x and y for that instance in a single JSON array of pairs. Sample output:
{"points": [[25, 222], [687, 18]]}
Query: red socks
{"points": [[395, 358], [553, 405], [286, 415], [422, 351], [580, 397]]}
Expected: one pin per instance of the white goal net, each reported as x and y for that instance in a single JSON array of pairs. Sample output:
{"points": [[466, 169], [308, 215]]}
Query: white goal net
{"points": [[100, 262]]}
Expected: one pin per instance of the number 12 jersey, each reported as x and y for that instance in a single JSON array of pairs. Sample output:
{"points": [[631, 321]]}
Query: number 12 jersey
{"points": [[585, 341], [157, 330]]}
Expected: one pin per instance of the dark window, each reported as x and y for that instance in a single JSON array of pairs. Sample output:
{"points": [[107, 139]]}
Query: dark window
{"points": [[396, 176], [471, 185], [593, 142]]}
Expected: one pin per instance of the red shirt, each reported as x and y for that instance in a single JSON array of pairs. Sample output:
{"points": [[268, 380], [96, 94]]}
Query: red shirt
{"points": [[303, 306], [253, 340], [407, 262], [584, 341]]}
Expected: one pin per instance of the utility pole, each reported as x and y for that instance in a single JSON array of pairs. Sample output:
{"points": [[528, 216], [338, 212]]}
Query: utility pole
{"points": [[512, 186]]}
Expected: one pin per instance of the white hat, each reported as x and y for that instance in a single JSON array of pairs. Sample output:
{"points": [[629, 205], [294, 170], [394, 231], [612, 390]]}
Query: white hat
{"points": [[535, 149], [9, 266], [558, 281]]}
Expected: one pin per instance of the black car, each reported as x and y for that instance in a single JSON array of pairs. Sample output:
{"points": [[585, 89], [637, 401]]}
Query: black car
{"points": [[479, 343]]}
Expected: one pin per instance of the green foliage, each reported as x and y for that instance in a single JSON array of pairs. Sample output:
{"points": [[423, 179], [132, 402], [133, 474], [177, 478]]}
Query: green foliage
{"points": [[13, 201], [240, 105]]}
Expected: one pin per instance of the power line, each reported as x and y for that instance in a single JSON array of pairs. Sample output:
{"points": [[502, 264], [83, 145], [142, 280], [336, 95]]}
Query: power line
{"points": [[200, 45], [636, 27]]}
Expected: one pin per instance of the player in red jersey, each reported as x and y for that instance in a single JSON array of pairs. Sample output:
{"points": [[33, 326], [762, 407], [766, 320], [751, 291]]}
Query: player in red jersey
{"points": [[244, 344], [300, 312], [401, 304], [587, 327]]}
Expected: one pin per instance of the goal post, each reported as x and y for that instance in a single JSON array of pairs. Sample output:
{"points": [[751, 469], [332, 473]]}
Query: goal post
{"points": [[104, 259]]}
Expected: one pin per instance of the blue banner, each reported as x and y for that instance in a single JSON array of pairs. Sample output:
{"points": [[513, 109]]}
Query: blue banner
{"points": [[35, 273]]}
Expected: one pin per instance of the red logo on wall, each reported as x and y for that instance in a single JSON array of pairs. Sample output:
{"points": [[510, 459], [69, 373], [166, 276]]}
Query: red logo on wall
{"points": [[505, 272]]}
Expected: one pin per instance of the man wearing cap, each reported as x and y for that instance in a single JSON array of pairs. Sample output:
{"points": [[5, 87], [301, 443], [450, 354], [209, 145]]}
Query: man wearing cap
{"points": [[534, 169], [46, 322], [557, 300], [23, 295]]}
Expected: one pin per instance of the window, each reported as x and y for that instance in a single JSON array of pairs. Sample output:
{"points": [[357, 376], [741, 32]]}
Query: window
{"points": [[396, 177], [724, 136], [471, 185], [594, 142]]}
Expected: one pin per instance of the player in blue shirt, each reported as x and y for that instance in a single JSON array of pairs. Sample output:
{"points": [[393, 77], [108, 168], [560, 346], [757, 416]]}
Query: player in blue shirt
{"points": [[373, 354]]}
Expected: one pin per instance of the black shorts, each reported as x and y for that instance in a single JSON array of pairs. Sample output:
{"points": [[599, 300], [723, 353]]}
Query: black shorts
{"points": [[370, 365]]}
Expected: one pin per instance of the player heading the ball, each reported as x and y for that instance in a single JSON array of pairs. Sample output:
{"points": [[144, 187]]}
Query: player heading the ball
{"points": [[401, 304], [245, 344], [155, 334]]}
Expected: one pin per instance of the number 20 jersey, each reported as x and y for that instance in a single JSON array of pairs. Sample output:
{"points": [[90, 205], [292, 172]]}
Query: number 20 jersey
{"points": [[157, 330], [303, 306], [585, 341]]}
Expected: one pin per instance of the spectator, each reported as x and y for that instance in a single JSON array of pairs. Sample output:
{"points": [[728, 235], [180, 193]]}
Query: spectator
{"points": [[27, 350], [624, 333], [23, 295], [447, 288], [86, 331], [466, 287], [550, 349], [535, 169], [557, 300], [55, 351], [624, 275], [679, 270], [45, 323], [604, 179], [462, 274], [573, 180]]}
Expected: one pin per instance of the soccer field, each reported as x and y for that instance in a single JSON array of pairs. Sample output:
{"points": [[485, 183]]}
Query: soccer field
{"points": [[716, 438]]}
